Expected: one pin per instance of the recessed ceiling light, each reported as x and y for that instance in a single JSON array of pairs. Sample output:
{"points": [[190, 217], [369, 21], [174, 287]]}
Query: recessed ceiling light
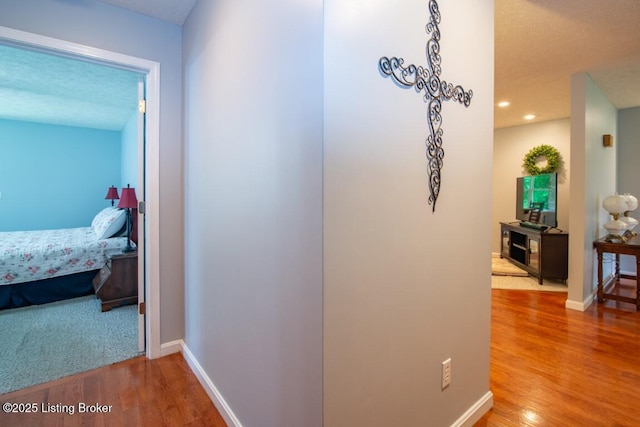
{"points": [[503, 104], [529, 117]]}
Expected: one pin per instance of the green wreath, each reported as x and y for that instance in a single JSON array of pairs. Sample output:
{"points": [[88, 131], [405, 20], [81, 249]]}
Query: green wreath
{"points": [[551, 154]]}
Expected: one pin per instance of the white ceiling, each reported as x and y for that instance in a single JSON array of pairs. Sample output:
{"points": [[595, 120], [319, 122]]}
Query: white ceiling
{"points": [[174, 11], [539, 45]]}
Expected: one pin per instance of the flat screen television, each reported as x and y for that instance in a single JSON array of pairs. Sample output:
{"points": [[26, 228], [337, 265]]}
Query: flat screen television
{"points": [[540, 191]]}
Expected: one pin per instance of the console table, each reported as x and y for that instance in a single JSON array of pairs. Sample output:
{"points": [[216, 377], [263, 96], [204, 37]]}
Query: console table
{"points": [[544, 254], [631, 247]]}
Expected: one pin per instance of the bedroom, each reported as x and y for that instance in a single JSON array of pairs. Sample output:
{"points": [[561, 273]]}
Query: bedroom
{"points": [[66, 136]]}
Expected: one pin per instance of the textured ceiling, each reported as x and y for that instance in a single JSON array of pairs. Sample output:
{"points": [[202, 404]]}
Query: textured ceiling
{"points": [[541, 43], [51, 89]]}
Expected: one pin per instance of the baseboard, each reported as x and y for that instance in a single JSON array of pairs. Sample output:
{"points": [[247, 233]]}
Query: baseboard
{"points": [[178, 346], [588, 301], [171, 347], [580, 306], [214, 394], [475, 412], [577, 305], [468, 419]]}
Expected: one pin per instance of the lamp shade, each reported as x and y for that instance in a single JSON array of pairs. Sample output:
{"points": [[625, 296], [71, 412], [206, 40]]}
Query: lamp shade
{"points": [[128, 199], [615, 204], [632, 202], [112, 193]]}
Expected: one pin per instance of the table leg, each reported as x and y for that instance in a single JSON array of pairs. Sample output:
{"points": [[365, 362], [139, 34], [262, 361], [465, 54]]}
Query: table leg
{"points": [[637, 282], [600, 290]]}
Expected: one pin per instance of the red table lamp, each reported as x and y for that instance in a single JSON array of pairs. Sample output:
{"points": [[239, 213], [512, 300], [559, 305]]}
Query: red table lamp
{"points": [[128, 201], [112, 194]]}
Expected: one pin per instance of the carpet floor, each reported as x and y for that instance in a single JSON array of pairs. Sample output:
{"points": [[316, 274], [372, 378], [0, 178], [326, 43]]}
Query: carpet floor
{"points": [[505, 275], [41, 343], [502, 267], [526, 284]]}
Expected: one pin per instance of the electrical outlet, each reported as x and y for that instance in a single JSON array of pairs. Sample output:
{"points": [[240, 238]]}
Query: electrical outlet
{"points": [[446, 373]]}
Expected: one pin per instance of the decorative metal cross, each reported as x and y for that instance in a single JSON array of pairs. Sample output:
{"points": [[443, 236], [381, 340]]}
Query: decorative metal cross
{"points": [[435, 91]]}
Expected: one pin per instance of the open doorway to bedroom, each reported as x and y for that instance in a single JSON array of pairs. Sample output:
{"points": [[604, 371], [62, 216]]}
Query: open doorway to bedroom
{"points": [[70, 130]]}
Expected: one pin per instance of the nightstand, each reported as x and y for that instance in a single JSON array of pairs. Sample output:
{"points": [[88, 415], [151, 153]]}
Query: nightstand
{"points": [[117, 282]]}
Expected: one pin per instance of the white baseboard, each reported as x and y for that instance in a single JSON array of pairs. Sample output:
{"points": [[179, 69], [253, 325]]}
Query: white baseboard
{"points": [[589, 299], [214, 394], [475, 412], [468, 419], [178, 346], [171, 347], [581, 305], [578, 305]]}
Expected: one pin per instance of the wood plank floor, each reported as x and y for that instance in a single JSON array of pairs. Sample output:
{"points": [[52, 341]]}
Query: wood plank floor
{"points": [[139, 392], [551, 366]]}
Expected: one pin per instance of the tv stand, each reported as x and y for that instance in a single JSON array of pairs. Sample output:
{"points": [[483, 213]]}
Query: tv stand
{"points": [[542, 254]]}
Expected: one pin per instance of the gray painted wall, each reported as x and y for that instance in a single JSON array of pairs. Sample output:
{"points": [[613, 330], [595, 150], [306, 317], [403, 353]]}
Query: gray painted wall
{"points": [[593, 177], [262, 168], [404, 287], [628, 171], [254, 126], [96, 24], [253, 205]]}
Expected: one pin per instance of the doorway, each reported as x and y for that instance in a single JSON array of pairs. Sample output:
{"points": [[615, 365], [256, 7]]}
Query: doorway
{"points": [[148, 177]]}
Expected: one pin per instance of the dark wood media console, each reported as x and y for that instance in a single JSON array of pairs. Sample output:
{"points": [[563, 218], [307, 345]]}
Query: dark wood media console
{"points": [[544, 254]]}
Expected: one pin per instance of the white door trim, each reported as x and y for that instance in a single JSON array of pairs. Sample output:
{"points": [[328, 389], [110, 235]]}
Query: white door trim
{"points": [[152, 156], [140, 216]]}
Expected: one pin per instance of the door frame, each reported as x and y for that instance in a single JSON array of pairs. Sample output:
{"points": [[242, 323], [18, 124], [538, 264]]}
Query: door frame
{"points": [[151, 229]]}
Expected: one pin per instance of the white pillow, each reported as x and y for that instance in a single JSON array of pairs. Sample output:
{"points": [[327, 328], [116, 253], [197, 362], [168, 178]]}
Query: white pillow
{"points": [[108, 222]]}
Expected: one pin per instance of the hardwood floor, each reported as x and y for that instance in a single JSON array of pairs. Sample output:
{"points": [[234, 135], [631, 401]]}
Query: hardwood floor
{"points": [[551, 366], [137, 392]]}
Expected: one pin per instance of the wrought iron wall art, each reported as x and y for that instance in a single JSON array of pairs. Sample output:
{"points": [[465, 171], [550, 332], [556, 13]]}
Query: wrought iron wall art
{"points": [[427, 80]]}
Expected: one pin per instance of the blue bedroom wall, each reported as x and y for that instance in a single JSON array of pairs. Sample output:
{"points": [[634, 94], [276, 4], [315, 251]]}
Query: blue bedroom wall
{"points": [[55, 176]]}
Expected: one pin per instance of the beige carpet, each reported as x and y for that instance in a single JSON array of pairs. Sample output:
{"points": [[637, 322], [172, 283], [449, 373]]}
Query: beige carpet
{"points": [[526, 283], [502, 267], [505, 275]]}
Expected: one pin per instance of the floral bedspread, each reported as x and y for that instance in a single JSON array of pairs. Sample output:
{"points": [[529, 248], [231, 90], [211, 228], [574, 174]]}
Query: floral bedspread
{"points": [[34, 255]]}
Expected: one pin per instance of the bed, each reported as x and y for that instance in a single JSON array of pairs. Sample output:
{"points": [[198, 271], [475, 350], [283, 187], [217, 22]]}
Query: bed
{"points": [[37, 267]]}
